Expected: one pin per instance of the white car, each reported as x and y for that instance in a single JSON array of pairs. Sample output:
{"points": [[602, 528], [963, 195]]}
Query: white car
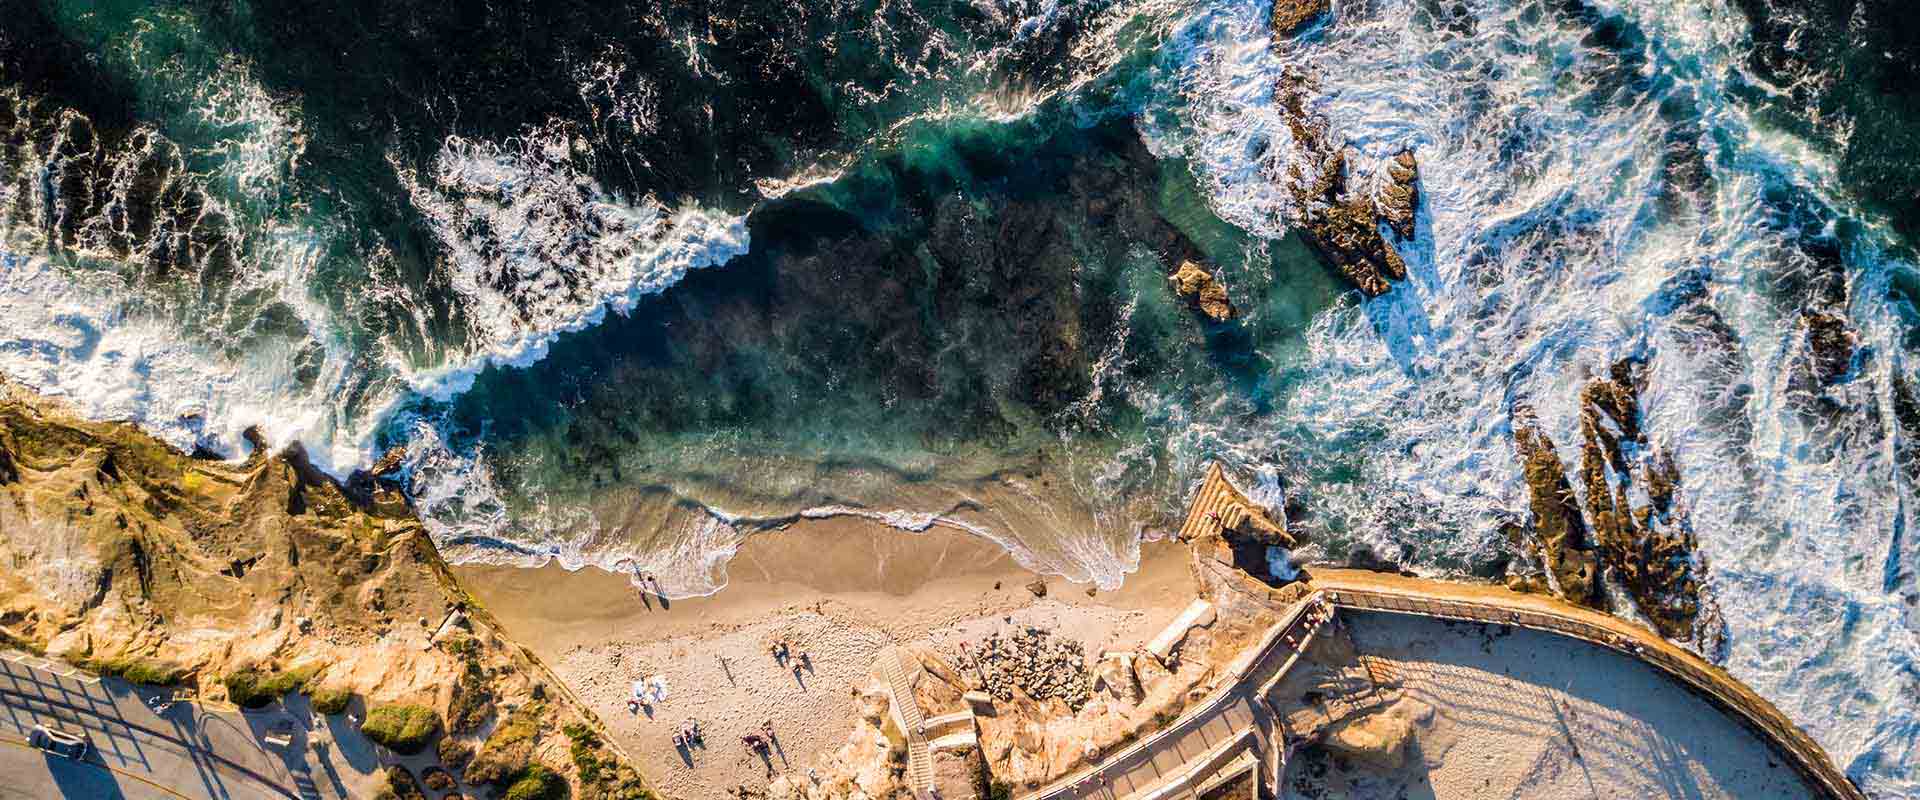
{"points": [[54, 740]]}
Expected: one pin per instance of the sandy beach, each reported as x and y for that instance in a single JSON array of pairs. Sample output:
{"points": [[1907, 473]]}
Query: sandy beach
{"points": [[839, 591]]}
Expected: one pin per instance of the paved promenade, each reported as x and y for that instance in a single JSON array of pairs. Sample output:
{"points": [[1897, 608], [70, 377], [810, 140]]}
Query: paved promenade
{"points": [[188, 751], [1237, 718]]}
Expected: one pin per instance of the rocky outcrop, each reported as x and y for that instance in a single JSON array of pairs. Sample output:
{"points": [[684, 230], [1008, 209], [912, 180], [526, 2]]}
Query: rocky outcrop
{"points": [[1400, 194], [1646, 549], [1289, 16], [1197, 286], [252, 578], [1559, 538], [1338, 221], [1033, 664]]}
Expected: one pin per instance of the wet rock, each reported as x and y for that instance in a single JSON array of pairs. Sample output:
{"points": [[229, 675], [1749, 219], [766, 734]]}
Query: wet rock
{"points": [[1340, 224], [1400, 194], [1289, 16], [1560, 532], [390, 462], [1197, 286], [1038, 588], [1649, 550]]}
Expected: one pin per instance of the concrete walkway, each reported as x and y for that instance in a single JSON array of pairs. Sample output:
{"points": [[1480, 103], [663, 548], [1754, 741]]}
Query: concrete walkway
{"points": [[185, 752], [1187, 751]]}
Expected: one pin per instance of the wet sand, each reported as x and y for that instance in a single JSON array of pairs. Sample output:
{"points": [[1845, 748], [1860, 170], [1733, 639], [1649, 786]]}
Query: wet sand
{"points": [[840, 590]]}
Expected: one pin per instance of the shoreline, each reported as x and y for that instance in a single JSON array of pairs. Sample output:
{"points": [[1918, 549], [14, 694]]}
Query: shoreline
{"points": [[862, 563], [841, 590]]}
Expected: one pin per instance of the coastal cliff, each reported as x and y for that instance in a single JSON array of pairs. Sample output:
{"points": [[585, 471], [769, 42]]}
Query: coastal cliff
{"points": [[244, 581]]}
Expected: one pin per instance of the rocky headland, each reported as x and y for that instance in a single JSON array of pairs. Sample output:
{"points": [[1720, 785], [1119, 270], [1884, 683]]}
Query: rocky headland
{"points": [[239, 582]]}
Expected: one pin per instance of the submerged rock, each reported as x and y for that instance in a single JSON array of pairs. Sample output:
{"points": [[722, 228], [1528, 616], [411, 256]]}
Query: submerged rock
{"points": [[1198, 286], [1831, 343]]}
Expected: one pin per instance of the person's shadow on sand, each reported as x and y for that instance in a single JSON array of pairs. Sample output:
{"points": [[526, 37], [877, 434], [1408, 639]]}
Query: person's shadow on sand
{"points": [[686, 753]]}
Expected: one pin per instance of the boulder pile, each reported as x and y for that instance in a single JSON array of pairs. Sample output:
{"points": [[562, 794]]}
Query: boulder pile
{"points": [[1034, 663]]}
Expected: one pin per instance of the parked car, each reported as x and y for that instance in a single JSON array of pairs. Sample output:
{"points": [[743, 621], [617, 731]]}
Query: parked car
{"points": [[54, 740]]}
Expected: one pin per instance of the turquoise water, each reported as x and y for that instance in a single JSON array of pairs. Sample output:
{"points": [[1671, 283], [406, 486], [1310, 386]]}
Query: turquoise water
{"points": [[628, 282]]}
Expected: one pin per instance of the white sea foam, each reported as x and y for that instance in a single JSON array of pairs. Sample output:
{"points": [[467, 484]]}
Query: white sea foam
{"points": [[1541, 259], [537, 248]]}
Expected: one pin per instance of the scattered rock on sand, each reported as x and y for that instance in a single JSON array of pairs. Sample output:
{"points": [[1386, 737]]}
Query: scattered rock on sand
{"points": [[1038, 588]]}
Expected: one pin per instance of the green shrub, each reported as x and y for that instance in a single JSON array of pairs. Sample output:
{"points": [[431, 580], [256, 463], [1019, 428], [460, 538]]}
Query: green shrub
{"points": [[399, 786], [454, 753], [537, 783], [330, 701], [404, 729], [144, 671], [602, 776], [251, 688]]}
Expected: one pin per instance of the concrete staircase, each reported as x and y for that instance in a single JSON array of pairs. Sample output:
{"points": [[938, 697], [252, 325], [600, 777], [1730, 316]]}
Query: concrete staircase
{"points": [[1218, 506], [907, 713]]}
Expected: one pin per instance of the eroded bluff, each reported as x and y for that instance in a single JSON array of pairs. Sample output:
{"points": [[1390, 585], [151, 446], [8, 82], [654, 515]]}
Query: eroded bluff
{"points": [[243, 581]]}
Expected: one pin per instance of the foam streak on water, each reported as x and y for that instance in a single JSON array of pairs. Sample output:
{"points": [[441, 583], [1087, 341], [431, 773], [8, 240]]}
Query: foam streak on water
{"points": [[1553, 243]]}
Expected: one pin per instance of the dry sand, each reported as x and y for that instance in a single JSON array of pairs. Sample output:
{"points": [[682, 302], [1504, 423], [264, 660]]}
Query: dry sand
{"points": [[839, 591], [1513, 713]]}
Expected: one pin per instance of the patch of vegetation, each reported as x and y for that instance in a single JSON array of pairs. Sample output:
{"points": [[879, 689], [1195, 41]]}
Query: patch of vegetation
{"points": [[454, 753], [472, 701], [602, 777], [330, 701], [536, 782], [253, 688], [509, 750], [404, 729], [143, 671], [399, 786]]}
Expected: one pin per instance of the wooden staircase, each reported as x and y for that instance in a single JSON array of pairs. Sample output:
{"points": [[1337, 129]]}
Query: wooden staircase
{"points": [[907, 713]]}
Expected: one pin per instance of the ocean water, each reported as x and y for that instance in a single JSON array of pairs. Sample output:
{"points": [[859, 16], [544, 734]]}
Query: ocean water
{"points": [[627, 283]]}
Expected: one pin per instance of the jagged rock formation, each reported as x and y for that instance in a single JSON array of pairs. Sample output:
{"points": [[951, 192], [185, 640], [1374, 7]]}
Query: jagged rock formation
{"points": [[1560, 537], [1630, 529], [1337, 220], [246, 580], [1400, 195], [1289, 16], [1196, 285]]}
